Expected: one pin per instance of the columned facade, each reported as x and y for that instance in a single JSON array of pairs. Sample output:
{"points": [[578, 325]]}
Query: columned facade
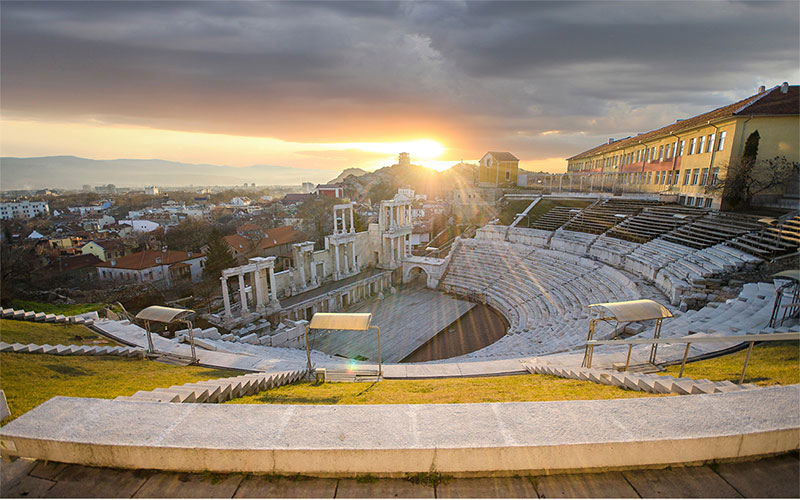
{"points": [[260, 272]]}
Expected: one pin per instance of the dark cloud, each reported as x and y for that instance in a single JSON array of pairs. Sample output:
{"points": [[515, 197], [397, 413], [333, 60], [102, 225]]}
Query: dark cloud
{"points": [[476, 75]]}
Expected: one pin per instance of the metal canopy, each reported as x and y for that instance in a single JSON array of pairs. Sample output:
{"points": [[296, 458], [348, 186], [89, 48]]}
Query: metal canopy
{"points": [[340, 321], [163, 314], [635, 310], [792, 274]]}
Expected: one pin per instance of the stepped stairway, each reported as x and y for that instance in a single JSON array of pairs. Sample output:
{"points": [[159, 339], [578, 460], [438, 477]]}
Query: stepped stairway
{"points": [[41, 317], [217, 390], [67, 350], [653, 384]]}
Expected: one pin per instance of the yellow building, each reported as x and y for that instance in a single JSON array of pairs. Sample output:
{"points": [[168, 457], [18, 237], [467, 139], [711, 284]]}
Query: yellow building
{"points": [[498, 168], [683, 158]]}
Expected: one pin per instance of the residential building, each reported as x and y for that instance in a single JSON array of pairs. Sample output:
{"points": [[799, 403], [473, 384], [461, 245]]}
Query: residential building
{"points": [[23, 209], [167, 266], [252, 241], [151, 190], [104, 249], [73, 269], [332, 190], [141, 225], [684, 158], [498, 168]]}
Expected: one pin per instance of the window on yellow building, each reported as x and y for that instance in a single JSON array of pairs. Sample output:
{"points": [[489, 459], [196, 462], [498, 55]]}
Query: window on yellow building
{"points": [[649, 177], [680, 153], [710, 145], [704, 177], [690, 200], [661, 153], [714, 175], [721, 144], [695, 175], [658, 177], [691, 146], [709, 201], [686, 177], [701, 144]]}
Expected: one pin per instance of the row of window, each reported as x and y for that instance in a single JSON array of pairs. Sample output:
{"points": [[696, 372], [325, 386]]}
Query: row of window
{"points": [[697, 145], [696, 202], [692, 177]]}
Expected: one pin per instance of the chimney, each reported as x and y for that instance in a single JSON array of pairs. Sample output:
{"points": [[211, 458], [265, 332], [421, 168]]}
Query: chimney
{"points": [[610, 140], [762, 89], [785, 88]]}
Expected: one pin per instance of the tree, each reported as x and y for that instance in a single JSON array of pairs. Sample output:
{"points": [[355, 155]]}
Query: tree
{"points": [[218, 257], [747, 178], [189, 235]]}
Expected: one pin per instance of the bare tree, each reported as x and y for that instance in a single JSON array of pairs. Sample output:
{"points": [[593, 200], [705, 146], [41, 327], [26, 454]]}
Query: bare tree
{"points": [[747, 178]]}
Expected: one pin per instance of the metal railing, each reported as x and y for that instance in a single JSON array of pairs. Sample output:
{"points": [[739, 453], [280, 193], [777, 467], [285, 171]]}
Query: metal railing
{"points": [[751, 339]]}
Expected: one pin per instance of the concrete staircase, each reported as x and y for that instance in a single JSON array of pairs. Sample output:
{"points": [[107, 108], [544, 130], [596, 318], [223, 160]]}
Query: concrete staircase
{"points": [[67, 350], [218, 390], [653, 384], [19, 314]]}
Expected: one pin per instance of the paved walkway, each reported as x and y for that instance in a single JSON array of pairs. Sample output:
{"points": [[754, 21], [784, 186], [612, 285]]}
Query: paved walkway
{"points": [[767, 478]]}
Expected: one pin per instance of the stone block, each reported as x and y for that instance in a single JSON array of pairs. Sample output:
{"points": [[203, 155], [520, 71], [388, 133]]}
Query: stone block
{"points": [[250, 339]]}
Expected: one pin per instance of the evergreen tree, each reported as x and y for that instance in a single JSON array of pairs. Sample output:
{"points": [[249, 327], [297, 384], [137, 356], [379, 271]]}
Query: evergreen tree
{"points": [[218, 257]]}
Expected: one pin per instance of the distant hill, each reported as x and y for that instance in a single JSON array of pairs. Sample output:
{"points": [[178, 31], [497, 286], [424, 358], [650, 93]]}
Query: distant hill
{"points": [[383, 183], [347, 173], [71, 172]]}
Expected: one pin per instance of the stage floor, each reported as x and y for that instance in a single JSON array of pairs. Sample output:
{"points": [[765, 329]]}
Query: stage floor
{"points": [[407, 319]]}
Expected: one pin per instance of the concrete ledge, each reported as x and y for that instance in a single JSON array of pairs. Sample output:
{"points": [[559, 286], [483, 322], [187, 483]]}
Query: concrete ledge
{"points": [[387, 440]]}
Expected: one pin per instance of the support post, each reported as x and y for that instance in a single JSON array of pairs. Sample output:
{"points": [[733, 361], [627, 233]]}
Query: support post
{"points": [[336, 258], [308, 352], [685, 355], [628, 360], [746, 360], [353, 255], [257, 285], [273, 289], [352, 226]]}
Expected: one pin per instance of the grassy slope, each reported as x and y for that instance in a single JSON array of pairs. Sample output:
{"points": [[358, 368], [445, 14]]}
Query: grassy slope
{"points": [[769, 365], [31, 379], [510, 212], [27, 332], [452, 390], [774, 363], [65, 309]]}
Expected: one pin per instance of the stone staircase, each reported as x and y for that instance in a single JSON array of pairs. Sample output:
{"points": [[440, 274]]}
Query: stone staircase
{"points": [[218, 390], [41, 317], [653, 384], [67, 350]]}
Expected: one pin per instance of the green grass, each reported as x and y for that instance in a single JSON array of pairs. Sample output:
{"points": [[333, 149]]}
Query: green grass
{"points": [[772, 363], [27, 332], [449, 390], [65, 309], [31, 379], [510, 212]]}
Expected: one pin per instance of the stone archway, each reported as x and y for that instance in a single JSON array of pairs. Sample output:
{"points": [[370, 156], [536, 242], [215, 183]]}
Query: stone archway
{"points": [[416, 273]]}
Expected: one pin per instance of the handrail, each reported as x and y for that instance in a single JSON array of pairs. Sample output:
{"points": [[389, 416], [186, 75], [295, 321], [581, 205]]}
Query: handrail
{"points": [[761, 337], [751, 339]]}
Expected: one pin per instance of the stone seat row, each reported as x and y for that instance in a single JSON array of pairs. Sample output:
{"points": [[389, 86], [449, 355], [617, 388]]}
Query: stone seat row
{"points": [[218, 390], [653, 384], [41, 317], [66, 350]]}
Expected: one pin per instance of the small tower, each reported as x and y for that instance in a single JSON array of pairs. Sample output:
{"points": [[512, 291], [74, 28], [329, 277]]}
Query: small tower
{"points": [[404, 159]]}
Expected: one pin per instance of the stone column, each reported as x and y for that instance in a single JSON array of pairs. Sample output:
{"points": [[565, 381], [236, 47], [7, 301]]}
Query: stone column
{"points": [[301, 257], [225, 297], [335, 225], [243, 295], [313, 269], [353, 255], [346, 261], [352, 226], [273, 289], [336, 258], [256, 280]]}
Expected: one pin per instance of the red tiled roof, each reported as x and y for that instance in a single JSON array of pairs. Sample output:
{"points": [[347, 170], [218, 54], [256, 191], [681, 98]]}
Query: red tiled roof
{"points": [[248, 227], [273, 237], [147, 259], [73, 263], [771, 102]]}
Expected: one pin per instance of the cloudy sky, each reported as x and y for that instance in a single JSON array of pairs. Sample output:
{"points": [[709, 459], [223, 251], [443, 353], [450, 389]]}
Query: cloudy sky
{"points": [[336, 84]]}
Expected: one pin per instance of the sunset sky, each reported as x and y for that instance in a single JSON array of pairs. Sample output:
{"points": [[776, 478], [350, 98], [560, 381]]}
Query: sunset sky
{"points": [[332, 85]]}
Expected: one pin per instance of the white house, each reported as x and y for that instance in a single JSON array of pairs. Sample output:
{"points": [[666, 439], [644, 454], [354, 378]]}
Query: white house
{"points": [[153, 266], [26, 209], [141, 225]]}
